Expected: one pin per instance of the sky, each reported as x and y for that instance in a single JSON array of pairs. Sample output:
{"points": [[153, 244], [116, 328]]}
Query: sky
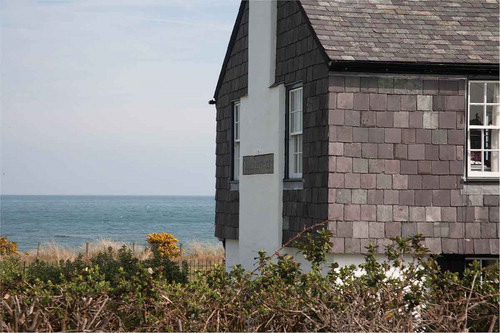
{"points": [[110, 97]]}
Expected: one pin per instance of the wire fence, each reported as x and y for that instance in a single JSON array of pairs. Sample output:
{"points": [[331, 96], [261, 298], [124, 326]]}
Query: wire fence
{"points": [[199, 265], [192, 264]]}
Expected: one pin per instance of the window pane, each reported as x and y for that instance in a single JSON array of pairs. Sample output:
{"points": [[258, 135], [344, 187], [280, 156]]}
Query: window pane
{"points": [[491, 161], [487, 139], [475, 139], [493, 115], [293, 121], [476, 161], [296, 100], [298, 105], [489, 262], [487, 160], [237, 131], [293, 105], [492, 92], [299, 121], [298, 124], [494, 139], [490, 139], [293, 101], [476, 92], [476, 115]]}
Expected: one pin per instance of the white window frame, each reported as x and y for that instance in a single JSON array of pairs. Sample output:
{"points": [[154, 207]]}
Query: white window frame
{"points": [[295, 137], [236, 140], [482, 263], [482, 260], [474, 174]]}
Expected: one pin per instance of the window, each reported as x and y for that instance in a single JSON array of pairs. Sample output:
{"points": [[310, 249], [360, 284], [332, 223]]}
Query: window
{"points": [[236, 141], [483, 262], [488, 263], [483, 129], [295, 133]]}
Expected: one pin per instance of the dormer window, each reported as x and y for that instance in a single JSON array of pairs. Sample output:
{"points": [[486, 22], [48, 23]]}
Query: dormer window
{"points": [[483, 130]]}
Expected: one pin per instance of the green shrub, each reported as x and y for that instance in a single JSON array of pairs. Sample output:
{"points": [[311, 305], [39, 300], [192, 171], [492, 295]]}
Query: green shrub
{"points": [[154, 295]]}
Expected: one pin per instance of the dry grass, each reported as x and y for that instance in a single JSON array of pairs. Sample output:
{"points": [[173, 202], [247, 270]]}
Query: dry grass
{"points": [[53, 253], [204, 251]]}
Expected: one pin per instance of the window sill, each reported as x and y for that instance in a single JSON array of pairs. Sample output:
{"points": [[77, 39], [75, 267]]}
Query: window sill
{"points": [[234, 185], [480, 181], [293, 184]]}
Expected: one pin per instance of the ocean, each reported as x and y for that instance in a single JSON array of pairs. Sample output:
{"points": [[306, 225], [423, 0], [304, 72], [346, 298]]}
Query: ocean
{"points": [[73, 220]]}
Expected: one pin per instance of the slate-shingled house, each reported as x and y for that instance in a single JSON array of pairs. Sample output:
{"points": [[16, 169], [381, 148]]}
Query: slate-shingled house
{"points": [[380, 116]]}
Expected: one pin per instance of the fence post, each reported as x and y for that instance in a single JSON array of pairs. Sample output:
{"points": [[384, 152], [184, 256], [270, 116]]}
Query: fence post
{"points": [[87, 250], [133, 247], [38, 250], [180, 250]]}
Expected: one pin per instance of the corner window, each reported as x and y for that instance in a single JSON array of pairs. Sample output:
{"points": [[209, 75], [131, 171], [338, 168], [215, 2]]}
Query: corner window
{"points": [[236, 141], [483, 130], [483, 262], [295, 133]]}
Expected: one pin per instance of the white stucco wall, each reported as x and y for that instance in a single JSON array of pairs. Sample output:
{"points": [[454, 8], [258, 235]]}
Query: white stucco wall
{"points": [[341, 259], [232, 253], [262, 126]]}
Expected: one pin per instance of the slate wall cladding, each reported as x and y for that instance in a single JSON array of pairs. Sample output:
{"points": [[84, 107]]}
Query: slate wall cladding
{"points": [[233, 87], [299, 58], [396, 160]]}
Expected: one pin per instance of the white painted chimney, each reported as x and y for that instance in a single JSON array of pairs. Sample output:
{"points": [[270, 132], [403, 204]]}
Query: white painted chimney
{"points": [[262, 126]]}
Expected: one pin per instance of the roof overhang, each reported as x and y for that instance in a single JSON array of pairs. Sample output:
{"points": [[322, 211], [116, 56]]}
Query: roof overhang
{"points": [[413, 67]]}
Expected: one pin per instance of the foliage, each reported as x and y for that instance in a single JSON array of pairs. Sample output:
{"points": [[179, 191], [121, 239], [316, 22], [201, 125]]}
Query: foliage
{"points": [[405, 291], [164, 244], [7, 247]]}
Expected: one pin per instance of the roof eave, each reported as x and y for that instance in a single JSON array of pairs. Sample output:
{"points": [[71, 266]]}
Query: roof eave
{"points": [[414, 67]]}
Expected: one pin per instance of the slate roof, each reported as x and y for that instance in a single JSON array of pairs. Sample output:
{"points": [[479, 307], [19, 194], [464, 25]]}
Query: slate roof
{"points": [[437, 31]]}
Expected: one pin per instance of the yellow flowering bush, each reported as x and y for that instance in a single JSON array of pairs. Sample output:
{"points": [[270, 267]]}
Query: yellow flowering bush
{"points": [[164, 244], [7, 247]]}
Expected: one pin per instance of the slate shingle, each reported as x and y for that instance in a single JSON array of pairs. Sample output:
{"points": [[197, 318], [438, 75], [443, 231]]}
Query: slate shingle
{"points": [[452, 31]]}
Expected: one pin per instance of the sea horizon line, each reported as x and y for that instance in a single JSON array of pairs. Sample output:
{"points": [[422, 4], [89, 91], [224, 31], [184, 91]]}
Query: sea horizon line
{"points": [[109, 195]]}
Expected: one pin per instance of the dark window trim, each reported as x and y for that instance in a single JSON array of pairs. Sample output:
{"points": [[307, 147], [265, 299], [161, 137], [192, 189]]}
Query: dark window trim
{"points": [[479, 181], [289, 87]]}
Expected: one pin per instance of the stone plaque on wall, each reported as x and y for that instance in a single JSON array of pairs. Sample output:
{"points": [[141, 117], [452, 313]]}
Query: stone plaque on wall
{"points": [[258, 164]]}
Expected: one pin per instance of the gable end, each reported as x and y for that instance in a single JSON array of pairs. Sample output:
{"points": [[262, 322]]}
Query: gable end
{"points": [[234, 38]]}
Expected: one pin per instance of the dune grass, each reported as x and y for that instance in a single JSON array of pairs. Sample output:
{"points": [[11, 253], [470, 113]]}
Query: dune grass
{"points": [[204, 251], [53, 253]]}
